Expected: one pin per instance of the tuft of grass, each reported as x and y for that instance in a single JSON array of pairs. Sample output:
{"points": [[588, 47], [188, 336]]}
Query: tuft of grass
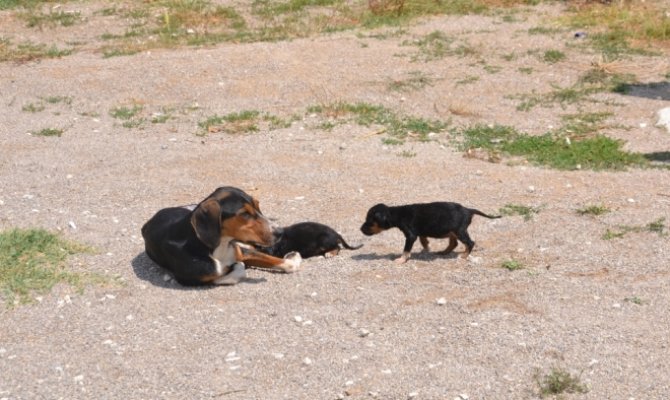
{"points": [[58, 99], [125, 112], [48, 132], [416, 81], [33, 261], [553, 149], [593, 210], [242, 122], [527, 212], [40, 20], [623, 27], [559, 381], [398, 127], [553, 56], [657, 227], [634, 300], [33, 108], [512, 265], [28, 51], [407, 154]]}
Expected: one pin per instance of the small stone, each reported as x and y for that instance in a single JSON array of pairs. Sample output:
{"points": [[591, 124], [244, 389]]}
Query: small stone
{"points": [[412, 395], [79, 379], [616, 305], [663, 118], [110, 296], [348, 383], [463, 396], [129, 317], [531, 188], [299, 198], [278, 356], [631, 200], [386, 371], [441, 301], [72, 225], [297, 318], [363, 332], [307, 361], [643, 125]]}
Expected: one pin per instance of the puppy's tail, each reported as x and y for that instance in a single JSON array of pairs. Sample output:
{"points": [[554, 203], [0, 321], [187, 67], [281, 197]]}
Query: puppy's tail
{"points": [[485, 215], [347, 246]]}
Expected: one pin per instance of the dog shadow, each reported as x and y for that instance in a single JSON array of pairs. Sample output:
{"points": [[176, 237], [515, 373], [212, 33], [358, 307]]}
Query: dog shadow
{"points": [[419, 256], [147, 270]]}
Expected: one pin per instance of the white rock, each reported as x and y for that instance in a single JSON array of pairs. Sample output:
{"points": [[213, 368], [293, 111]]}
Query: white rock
{"points": [[166, 278], [278, 356], [463, 396], [72, 225], [663, 118], [631, 200], [348, 383], [307, 361], [643, 125], [616, 305], [412, 395], [441, 301], [297, 318], [363, 332]]}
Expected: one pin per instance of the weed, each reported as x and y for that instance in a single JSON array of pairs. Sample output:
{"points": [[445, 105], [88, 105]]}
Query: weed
{"points": [[593, 210], [407, 154], [38, 19], [33, 260], [417, 81], [553, 56], [634, 300], [433, 46], [242, 122], [526, 70], [559, 381], [48, 132], [58, 99], [542, 30], [33, 108], [28, 51], [512, 265], [526, 212], [125, 113], [657, 227], [467, 80]]}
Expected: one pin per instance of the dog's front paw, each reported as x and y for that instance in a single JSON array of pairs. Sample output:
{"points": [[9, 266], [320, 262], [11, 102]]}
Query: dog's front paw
{"points": [[236, 273], [292, 261], [400, 260]]}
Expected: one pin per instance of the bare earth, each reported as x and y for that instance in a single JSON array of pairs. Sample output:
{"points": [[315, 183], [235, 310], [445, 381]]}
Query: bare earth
{"points": [[358, 325]]}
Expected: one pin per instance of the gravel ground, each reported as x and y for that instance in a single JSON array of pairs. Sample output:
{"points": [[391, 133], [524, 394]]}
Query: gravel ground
{"points": [[357, 325]]}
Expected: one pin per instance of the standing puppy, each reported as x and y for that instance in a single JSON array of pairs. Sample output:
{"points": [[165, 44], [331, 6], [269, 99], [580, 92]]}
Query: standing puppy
{"points": [[435, 220]]}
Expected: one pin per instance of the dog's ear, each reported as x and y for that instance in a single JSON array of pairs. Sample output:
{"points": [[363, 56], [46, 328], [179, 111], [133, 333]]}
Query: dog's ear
{"points": [[381, 215], [206, 222]]}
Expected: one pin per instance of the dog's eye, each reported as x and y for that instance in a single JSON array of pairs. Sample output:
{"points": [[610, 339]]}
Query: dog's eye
{"points": [[247, 215]]}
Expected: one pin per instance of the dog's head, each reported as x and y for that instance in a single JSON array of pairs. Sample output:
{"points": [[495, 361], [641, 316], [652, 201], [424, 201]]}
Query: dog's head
{"points": [[377, 220], [230, 212]]}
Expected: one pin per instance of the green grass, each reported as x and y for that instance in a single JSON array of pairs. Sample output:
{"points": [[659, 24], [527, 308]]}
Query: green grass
{"points": [[553, 56], [37, 19], [622, 28], [557, 382], [28, 51], [635, 300], [571, 147], [512, 265], [417, 80], [33, 261], [594, 210], [436, 46], [527, 212], [398, 127], [406, 154], [658, 226], [125, 112], [32, 107], [48, 132]]}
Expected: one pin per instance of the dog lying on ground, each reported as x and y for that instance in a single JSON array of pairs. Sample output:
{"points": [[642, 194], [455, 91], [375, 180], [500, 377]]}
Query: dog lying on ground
{"points": [[211, 242], [309, 239], [434, 220]]}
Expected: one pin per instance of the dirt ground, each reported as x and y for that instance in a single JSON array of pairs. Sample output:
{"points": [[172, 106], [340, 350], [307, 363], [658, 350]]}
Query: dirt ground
{"points": [[355, 326]]}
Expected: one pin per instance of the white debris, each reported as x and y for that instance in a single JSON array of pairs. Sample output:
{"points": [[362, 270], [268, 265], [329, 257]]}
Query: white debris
{"points": [[412, 395], [297, 318], [663, 118], [72, 225], [441, 301], [307, 361], [363, 332], [278, 356]]}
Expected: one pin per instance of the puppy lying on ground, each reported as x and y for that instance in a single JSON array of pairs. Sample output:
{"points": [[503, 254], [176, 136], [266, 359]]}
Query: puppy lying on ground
{"points": [[210, 243], [435, 220], [309, 239]]}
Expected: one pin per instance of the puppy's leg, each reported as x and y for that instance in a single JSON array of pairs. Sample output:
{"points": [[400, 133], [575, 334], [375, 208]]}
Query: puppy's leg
{"points": [[452, 244], [410, 238], [235, 275], [463, 236], [424, 243], [251, 256], [331, 253]]}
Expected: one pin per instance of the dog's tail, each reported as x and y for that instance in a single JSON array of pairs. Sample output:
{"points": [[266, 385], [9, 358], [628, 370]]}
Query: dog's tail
{"points": [[347, 246], [485, 215]]}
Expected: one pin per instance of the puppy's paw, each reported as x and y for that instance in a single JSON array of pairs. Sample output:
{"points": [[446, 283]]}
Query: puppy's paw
{"points": [[400, 260], [236, 273], [292, 261]]}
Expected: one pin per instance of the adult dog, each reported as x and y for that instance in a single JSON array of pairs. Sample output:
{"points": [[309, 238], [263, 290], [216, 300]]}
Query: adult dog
{"points": [[211, 242]]}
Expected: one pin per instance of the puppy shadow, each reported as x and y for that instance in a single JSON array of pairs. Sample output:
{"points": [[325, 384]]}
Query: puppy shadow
{"points": [[147, 270], [420, 256]]}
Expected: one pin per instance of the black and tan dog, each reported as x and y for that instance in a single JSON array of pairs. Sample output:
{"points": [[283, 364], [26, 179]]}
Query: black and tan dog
{"points": [[211, 242], [309, 239], [434, 220]]}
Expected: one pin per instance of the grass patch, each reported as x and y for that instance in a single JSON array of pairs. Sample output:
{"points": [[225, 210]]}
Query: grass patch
{"points": [[559, 381], [37, 19], [48, 132], [512, 265], [622, 27], [33, 108], [125, 112], [554, 149], [33, 261], [28, 51], [397, 127], [406, 154], [416, 81], [619, 232], [242, 122], [635, 300], [436, 46], [594, 210], [553, 56], [526, 212]]}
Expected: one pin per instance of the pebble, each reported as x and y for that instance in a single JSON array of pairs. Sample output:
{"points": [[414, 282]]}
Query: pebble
{"points": [[72, 225], [278, 356], [297, 318], [441, 301], [307, 361], [363, 332], [412, 395]]}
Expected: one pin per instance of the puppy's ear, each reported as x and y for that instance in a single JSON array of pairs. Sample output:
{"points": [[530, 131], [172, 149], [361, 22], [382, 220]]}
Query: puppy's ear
{"points": [[206, 222]]}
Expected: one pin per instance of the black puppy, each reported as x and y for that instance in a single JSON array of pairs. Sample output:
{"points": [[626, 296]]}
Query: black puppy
{"points": [[435, 220], [309, 239]]}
